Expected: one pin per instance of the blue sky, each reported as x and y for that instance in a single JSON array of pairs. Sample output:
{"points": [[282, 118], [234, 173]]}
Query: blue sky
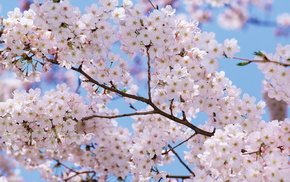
{"points": [[252, 38]]}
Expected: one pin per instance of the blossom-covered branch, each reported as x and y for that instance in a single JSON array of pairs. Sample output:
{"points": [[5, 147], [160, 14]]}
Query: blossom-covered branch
{"points": [[119, 116], [261, 61], [39, 126], [147, 101]]}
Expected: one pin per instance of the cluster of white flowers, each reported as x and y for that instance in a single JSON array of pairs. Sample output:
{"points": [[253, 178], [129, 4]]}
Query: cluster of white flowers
{"points": [[276, 75], [234, 14], [252, 156], [181, 82], [36, 129]]}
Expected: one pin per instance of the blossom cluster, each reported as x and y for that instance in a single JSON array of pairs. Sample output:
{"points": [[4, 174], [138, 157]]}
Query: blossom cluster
{"points": [[151, 132], [232, 15], [26, 120], [36, 129], [59, 30], [241, 155], [276, 75], [182, 81]]}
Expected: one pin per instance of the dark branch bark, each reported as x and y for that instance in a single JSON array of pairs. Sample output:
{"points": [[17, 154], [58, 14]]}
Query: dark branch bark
{"points": [[180, 160], [166, 152], [73, 170], [177, 176], [119, 116], [152, 4], [147, 101]]}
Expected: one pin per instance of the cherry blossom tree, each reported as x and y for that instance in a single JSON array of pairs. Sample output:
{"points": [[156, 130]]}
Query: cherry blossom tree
{"points": [[72, 132]]}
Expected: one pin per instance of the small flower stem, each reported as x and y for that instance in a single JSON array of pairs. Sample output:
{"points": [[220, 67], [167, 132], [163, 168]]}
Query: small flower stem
{"points": [[262, 61], [166, 152], [152, 4], [119, 116], [180, 160]]}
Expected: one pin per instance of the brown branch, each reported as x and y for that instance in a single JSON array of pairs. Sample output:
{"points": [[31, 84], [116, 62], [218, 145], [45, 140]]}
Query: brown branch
{"points": [[113, 89], [180, 160], [177, 176], [171, 107], [83, 172], [244, 152], [166, 152], [184, 116], [147, 101], [152, 4], [119, 116], [73, 170], [181, 121], [262, 61], [249, 153], [141, 99]]}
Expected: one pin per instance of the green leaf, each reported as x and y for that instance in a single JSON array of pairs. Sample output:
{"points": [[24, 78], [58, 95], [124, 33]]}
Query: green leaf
{"points": [[243, 63], [259, 54], [288, 59]]}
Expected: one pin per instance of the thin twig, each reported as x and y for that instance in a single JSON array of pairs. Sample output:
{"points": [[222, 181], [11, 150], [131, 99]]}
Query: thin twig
{"points": [[83, 172], [119, 92], [184, 116], [73, 170], [177, 176], [166, 152], [262, 61], [214, 117], [152, 4], [180, 160], [119, 116], [132, 107], [171, 107]]}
